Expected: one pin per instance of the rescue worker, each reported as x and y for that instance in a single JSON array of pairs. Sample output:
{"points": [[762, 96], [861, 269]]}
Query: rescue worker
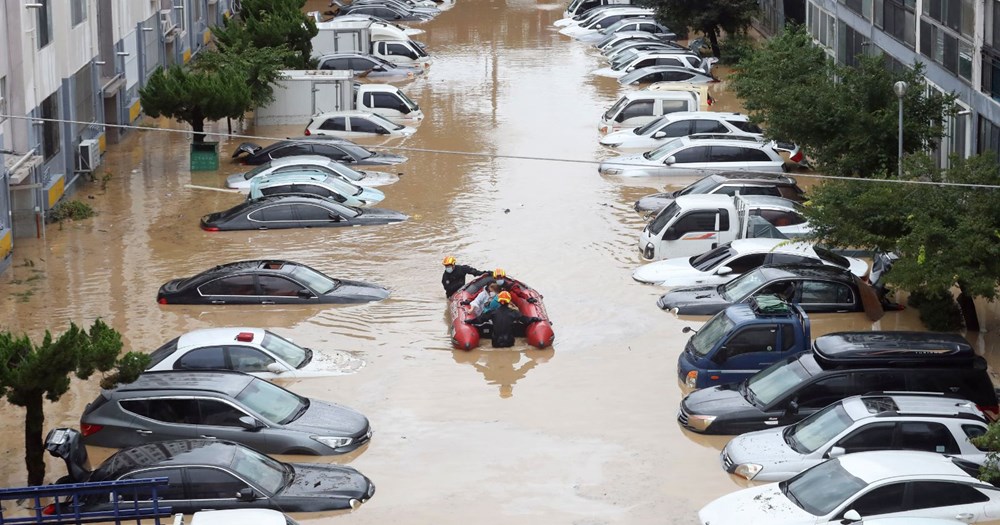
{"points": [[507, 285], [454, 275], [503, 319]]}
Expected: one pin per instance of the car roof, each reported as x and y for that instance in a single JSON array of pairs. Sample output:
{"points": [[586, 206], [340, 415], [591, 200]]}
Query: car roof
{"points": [[719, 115], [345, 113], [216, 335], [227, 382], [656, 69], [261, 265], [305, 160], [290, 178], [644, 94], [887, 464], [179, 452], [747, 141], [757, 245], [238, 517], [750, 176], [771, 201], [704, 199], [808, 271], [892, 404], [895, 346]]}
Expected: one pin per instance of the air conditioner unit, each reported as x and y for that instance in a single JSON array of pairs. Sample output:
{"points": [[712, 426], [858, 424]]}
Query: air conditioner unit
{"points": [[90, 155]]}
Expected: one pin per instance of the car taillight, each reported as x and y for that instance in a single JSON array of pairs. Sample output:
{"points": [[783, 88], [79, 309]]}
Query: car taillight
{"points": [[49, 509], [306, 132], [162, 300], [711, 100], [89, 430], [210, 228], [797, 157]]}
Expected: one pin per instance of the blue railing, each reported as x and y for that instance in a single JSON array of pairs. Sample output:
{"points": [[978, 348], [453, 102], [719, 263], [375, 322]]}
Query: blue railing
{"points": [[69, 499]]}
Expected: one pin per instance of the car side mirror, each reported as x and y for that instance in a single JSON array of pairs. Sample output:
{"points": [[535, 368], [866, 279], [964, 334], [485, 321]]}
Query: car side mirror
{"points": [[275, 368], [670, 160], [379, 68], [335, 218], [723, 270], [246, 494], [659, 134], [835, 452], [305, 294], [851, 516], [793, 407], [251, 424], [687, 330]]}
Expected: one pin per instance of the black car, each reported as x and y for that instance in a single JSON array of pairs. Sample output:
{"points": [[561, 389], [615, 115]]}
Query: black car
{"points": [[727, 183], [842, 365], [339, 150], [300, 210], [389, 13], [213, 474], [266, 282], [816, 288], [368, 66]]}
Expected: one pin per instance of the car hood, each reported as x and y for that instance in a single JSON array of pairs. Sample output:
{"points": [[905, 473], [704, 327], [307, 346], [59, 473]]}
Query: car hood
{"points": [[238, 181], [618, 137], [693, 298], [607, 72], [376, 178], [357, 291], [381, 216], [654, 203], [384, 159], [766, 448], [370, 196], [669, 272], [626, 162], [324, 481], [758, 505], [715, 401], [329, 419]]}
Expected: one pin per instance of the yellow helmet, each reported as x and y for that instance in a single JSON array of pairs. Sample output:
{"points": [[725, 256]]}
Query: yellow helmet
{"points": [[503, 297], [499, 273], [449, 261]]}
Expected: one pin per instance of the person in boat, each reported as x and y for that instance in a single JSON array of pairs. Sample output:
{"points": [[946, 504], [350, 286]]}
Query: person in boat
{"points": [[454, 275], [486, 301], [507, 285], [503, 319]]}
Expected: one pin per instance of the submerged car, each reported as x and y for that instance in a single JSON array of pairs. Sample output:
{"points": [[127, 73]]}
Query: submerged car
{"points": [[697, 154], [816, 288], [355, 124], [314, 183], [211, 474], [891, 421], [311, 164], [651, 74], [727, 183], [333, 148], [367, 66], [221, 404], [277, 212], [867, 485], [680, 124], [266, 282], [735, 258]]}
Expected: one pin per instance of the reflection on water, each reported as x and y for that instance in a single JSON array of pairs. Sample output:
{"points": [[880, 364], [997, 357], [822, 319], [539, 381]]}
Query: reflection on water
{"points": [[503, 367]]}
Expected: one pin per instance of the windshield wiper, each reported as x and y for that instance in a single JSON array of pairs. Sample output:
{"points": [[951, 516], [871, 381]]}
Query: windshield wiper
{"points": [[298, 413]]}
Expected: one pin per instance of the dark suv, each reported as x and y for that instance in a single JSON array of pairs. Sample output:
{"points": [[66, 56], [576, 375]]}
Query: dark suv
{"points": [[728, 183], [842, 365]]}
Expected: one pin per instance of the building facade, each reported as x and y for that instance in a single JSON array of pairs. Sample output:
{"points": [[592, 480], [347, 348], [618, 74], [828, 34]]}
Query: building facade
{"points": [[70, 73], [957, 41]]}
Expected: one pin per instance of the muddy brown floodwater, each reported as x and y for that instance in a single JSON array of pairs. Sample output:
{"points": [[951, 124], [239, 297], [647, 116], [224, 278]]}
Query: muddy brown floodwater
{"points": [[581, 433]]}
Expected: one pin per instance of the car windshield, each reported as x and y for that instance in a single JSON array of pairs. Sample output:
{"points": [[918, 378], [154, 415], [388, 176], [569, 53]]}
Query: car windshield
{"points": [[613, 110], [664, 150], [712, 258], [409, 103], [268, 474], [273, 402], [356, 151], [739, 287], [288, 351], [822, 488], [714, 330], [662, 218], [257, 171], [832, 258], [316, 281], [699, 187], [818, 429], [648, 128], [771, 383]]}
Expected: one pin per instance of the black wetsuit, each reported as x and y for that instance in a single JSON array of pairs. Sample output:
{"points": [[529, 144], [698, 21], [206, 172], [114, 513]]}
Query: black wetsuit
{"points": [[456, 278], [503, 324]]}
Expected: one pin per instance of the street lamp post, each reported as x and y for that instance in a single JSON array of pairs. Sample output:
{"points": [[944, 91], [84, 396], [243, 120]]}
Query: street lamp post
{"points": [[900, 89]]}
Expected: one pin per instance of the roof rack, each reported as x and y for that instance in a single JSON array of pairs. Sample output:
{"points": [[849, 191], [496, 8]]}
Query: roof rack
{"points": [[770, 305], [894, 348]]}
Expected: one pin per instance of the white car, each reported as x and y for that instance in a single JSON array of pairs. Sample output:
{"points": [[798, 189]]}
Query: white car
{"points": [[585, 28], [324, 185], [680, 124], [310, 164], [236, 517], [733, 259], [255, 351], [354, 124], [882, 484], [694, 155], [633, 61], [900, 421]]}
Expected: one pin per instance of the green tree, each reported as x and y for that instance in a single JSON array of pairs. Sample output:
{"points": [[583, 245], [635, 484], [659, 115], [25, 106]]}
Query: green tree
{"points": [[31, 373], [194, 96], [844, 117], [946, 236], [270, 24], [261, 67], [710, 17]]}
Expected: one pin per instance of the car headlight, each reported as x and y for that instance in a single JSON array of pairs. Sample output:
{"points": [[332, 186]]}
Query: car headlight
{"points": [[612, 144], [334, 441], [611, 171], [700, 422], [692, 379], [748, 470]]}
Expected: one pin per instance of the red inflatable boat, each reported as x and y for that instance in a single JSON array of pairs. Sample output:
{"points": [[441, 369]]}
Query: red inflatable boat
{"points": [[466, 337]]}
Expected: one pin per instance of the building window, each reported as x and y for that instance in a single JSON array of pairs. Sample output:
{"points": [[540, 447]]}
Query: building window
{"points": [[3, 98], [78, 11], [899, 21], [957, 15], [50, 128], [861, 7], [946, 49], [992, 21], [989, 137], [822, 26], [850, 44], [43, 23], [991, 75], [83, 98]]}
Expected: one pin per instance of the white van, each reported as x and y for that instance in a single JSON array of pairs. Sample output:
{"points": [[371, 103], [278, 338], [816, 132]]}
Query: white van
{"points": [[642, 107]]}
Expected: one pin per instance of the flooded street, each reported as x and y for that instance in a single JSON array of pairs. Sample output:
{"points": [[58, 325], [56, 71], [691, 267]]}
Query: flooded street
{"points": [[581, 433]]}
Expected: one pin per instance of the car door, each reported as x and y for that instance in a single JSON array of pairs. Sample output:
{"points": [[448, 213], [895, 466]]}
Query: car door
{"points": [[875, 502], [926, 436], [204, 358], [923, 499], [388, 104], [160, 419], [695, 232], [692, 160], [740, 265], [338, 64], [399, 52], [826, 296], [639, 64], [216, 488], [235, 289], [872, 436], [289, 150], [172, 494], [250, 360], [331, 152], [276, 289], [334, 126], [745, 352], [786, 221], [220, 419], [708, 126], [754, 159], [638, 113], [673, 130], [273, 216], [820, 393], [316, 216], [363, 126]]}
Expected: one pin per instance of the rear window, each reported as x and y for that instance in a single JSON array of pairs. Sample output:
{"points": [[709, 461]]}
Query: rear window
{"points": [[163, 352]]}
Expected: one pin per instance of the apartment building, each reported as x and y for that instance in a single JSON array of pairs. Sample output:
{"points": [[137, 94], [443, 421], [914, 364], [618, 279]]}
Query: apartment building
{"points": [[70, 73], [957, 41]]}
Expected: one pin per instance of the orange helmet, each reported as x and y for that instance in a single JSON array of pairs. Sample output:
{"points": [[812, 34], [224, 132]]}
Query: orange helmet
{"points": [[503, 297], [449, 261], [499, 273]]}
